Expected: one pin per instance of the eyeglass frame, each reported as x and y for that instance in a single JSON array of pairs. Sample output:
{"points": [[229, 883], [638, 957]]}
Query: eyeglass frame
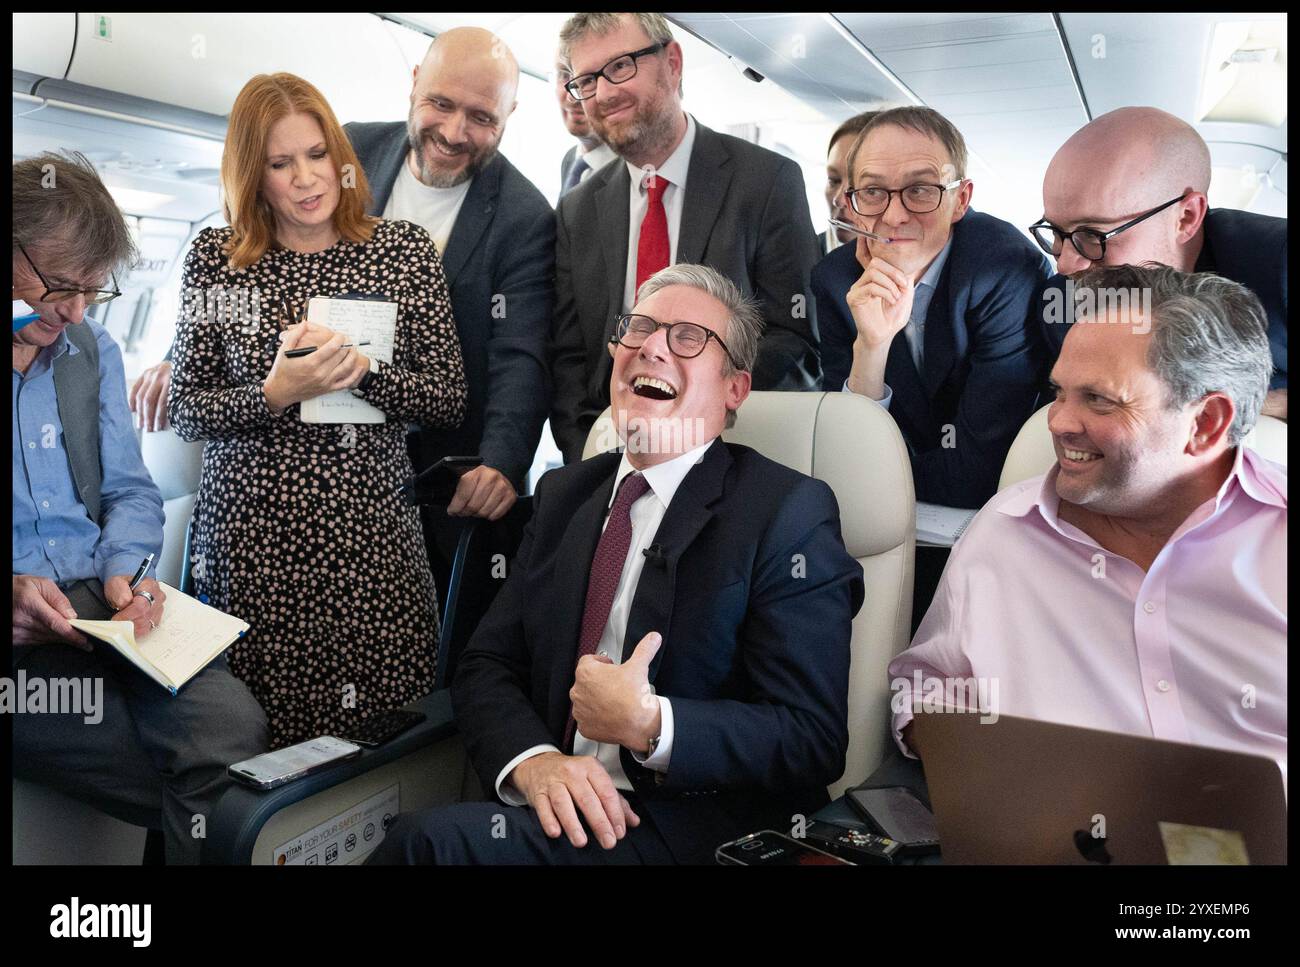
{"points": [[635, 55], [112, 293], [615, 340], [891, 192], [1102, 237]]}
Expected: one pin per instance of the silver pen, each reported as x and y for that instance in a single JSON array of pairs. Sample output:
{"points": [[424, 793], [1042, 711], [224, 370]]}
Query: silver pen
{"points": [[853, 229], [139, 574]]}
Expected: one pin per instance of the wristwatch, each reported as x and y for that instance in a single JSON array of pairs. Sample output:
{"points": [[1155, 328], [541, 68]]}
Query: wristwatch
{"points": [[368, 378]]}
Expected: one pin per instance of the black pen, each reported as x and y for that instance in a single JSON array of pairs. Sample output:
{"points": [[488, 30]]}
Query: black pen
{"points": [[308, 350], [139, 575]]}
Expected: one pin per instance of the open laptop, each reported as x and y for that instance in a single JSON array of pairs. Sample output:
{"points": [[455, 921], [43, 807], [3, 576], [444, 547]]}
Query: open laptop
{"points": [[1023, 791]]}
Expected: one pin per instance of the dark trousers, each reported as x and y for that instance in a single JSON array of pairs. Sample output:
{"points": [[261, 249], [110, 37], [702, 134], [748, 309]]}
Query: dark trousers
{"points": [[152, 759], [490, 833]]}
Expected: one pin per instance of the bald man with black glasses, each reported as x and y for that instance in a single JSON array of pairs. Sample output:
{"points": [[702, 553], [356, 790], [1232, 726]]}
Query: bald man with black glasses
{"points": [[1129, 188]]}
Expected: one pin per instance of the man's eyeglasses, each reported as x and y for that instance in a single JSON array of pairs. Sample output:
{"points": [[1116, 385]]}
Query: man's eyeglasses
{"points": [[53, 294], [620, 70], [1088, 242], [919, 199], [685, 339]]}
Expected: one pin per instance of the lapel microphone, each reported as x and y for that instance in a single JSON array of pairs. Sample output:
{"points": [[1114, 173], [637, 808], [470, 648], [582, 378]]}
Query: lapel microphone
{"points": [[654, 554]]}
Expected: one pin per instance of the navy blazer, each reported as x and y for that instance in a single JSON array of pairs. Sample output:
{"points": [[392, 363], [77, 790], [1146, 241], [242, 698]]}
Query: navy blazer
{"points": [[755, 656], [983, 362], [745, 214], [500, 269], [1241, 246]]}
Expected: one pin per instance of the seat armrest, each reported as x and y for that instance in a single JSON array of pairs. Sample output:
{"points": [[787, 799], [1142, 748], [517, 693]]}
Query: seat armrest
{"points": [[242, 811]]}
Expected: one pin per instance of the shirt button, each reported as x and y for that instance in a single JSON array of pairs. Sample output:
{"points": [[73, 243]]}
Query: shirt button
{"points": [[1149, 608], [51, 543], [45, 503], [1162, 685], [31, 446]]}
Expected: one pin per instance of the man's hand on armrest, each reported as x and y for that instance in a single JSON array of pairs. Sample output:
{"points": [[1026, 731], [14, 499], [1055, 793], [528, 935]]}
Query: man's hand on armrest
{"points": [[555, 783]]}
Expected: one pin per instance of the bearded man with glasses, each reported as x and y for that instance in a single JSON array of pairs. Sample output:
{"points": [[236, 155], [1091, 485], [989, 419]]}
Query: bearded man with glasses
{"points": [[1129, 188]]}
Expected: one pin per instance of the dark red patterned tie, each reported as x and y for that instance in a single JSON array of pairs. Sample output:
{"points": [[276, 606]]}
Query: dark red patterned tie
{"points": [[652, 244], [606, 569]]}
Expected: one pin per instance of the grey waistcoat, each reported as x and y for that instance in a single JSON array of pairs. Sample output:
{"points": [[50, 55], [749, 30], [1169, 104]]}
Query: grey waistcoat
{"points": [[76, 387]]}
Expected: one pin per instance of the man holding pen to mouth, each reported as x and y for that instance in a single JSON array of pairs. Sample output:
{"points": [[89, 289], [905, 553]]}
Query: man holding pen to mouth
{"points": [[923, 317]]}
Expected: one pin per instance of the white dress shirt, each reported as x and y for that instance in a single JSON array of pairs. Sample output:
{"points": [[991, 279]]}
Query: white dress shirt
{"points": [[674, 172], [647, 513], [433, 209], [596, 159]]}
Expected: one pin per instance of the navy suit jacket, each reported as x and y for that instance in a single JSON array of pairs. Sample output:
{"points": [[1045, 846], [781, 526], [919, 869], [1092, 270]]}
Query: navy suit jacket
{"points": [[755, 658], [745, 214], [1241, 246], [983, 362], [500, 269]]}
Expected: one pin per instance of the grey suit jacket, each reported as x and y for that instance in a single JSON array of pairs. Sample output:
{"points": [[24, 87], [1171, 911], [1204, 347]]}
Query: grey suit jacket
{"points": [[745, 214], [500, 266], [567, 161]]}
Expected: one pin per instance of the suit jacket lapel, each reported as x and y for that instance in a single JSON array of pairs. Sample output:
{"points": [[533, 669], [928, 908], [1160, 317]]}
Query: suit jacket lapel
{"points": [[690, 511], [382, 172], [612, 214], [472, 220], [576, 550], [707, 179]]}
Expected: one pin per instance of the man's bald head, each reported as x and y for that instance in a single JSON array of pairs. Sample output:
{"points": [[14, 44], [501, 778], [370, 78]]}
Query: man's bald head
{"points": [[473, 50], [1121, 165], [464, 90]]}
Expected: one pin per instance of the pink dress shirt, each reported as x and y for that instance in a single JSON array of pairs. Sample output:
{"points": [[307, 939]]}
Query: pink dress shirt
{"points": [[1193, 650]]}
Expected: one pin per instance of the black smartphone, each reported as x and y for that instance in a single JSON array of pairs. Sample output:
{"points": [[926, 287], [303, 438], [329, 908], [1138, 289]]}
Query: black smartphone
{"points": [[769, 848], [437, 484], [895, 813], [379, 729], [853, 843]]}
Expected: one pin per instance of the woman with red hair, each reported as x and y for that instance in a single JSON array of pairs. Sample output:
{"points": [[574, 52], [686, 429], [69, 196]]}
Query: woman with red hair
{"points": [[298, 527]]}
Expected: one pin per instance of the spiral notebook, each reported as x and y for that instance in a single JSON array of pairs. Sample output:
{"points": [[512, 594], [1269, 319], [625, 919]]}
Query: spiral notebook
{"points": [[941, 526], [189, 636]]}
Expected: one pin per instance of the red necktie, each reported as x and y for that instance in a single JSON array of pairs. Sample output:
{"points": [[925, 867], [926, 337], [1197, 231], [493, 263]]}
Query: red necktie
{"points": [[652, 247], [606, 569]]}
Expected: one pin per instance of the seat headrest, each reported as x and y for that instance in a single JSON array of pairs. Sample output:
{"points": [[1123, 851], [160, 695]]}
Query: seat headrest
{"points": [[175, 465], [845, 440]]}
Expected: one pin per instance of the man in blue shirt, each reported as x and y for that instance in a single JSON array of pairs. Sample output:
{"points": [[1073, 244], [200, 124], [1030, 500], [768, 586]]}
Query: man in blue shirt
{"points": [[85, 515]]}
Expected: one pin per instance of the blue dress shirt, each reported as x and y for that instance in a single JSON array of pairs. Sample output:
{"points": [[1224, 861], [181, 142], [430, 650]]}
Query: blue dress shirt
{"points": [[52, 535]]}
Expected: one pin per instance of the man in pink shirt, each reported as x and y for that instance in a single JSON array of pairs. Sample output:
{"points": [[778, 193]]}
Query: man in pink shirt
{"points": [[1140, 585]]}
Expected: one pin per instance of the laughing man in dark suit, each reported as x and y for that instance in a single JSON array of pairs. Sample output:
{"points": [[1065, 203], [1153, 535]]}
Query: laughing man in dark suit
{"points": [[655, 676], [683, 194]]}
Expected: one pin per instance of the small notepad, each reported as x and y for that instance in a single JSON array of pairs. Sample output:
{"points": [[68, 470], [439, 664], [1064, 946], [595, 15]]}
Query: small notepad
{"points": [[940, 526], [357, 319], [189, 636]]}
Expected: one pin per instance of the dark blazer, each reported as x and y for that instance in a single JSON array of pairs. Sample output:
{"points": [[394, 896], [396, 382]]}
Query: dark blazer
{"points": [[745, 214], [1241, 246], [983, 362], [499, 264], [755, 660], [566, 163]]}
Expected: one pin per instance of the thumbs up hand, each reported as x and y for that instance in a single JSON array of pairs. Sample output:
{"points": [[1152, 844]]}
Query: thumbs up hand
{"points": [[616, 703]]}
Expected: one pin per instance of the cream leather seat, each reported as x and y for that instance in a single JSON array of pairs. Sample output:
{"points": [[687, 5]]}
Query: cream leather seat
{"points": [[854, 446], [1032, 452], [175, 467]]}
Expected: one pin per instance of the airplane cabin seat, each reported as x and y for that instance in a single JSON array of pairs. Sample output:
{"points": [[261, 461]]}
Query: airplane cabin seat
{"points": [[855, 447]]}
